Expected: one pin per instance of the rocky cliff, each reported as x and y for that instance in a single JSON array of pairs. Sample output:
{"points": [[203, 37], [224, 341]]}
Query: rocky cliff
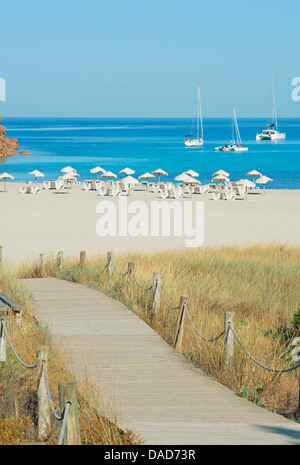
{"points": [[8, 146]]}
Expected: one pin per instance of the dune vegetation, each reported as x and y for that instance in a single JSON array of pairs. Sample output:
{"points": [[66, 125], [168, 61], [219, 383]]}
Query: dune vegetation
{"points": [[260, 284]]}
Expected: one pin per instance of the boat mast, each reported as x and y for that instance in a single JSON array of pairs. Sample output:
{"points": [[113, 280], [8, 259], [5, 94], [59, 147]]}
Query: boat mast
{"points": [[200, 111], [238, 136], [274, 106]]}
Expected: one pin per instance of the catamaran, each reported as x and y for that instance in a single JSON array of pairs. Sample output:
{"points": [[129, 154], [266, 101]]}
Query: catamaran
{"points": [[234, 146], [272, 133], [195, 140]]}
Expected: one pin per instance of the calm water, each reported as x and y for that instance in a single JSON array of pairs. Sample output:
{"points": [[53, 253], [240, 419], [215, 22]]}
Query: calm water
{"points": [[147, 144]]}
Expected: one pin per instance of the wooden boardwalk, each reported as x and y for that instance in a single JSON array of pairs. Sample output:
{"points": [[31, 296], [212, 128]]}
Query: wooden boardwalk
{"points": [[154, 390]]}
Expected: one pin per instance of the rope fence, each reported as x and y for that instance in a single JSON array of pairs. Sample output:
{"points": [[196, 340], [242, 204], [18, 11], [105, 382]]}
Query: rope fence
{"points": [[68, 403], [182, 311]]}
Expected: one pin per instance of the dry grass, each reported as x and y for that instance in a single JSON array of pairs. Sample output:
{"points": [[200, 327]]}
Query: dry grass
{"points": [[18, 384], [261, 284]]}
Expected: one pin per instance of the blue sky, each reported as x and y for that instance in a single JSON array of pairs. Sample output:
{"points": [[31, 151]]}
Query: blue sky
{"points": [[143, 58]]}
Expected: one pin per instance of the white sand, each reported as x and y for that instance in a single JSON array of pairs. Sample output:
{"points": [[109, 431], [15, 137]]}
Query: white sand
{"points": [[53, 221]]}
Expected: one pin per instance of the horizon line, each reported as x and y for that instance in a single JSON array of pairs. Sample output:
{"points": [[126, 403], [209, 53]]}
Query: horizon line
{"points": [[150, 117]]}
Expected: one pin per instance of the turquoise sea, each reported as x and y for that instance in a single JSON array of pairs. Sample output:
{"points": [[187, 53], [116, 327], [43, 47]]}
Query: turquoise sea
{"points": [[147, 144]]}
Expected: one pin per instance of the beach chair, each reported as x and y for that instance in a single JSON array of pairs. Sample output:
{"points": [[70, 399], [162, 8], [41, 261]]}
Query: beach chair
{"points": [[102, 191], [164, 194], [23, 189], [230, 195], [216, 195], [241, 190], [46, 185], [86, 186], [58, 185], [177, 192]]}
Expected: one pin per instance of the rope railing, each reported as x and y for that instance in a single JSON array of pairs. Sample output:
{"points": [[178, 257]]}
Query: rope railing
{"points": [[43, 376], [165, 300], [286, 370], [56, 416], [91, 271], [12, 348], [196, 330], [184, 310], [119, 272], [135, 278]]}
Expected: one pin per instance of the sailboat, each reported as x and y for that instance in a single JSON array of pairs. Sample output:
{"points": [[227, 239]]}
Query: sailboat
{"points": [[234, 146], [195, 140], [272, 133]]}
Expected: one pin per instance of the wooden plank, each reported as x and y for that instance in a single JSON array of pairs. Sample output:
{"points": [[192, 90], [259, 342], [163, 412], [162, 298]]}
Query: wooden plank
{"points": [[151, 388]]}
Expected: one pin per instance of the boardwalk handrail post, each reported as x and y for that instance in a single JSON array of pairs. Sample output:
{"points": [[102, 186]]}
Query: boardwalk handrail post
{"points": [[3, 320], [44, 412], [68, 395], [110, 265], [229, 340], [82, 258], [60, 259], [156, 293], [180, 323], [131, 266]]}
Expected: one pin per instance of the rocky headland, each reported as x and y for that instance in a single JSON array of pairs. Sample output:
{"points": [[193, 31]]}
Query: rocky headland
{"points": [[8, 146]]}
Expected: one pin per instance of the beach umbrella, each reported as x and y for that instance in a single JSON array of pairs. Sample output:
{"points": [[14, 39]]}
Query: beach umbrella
{"points": [[67, 169], [131, 181], [182, 177], [263, 180], [147, 176], [191, 180], [254, 174], [97, 170], [6, 176], [220, 178], [247, 183], [192, 173], [108, 174], [37, 174], [221, 172], [69, 177], [127, 171], [159, 172]]}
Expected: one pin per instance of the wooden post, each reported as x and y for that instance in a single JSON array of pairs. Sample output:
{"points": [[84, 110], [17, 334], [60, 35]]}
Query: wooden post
{"points": [[82, 258], [60, 259], [68, 394], [110, 266], [228, 336], [3, 317], [131, 266], [44, 413], [156, 293], [180, 323]]}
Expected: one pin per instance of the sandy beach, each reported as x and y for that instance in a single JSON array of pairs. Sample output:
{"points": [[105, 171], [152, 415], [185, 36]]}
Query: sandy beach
{"points": [[56, 220]]}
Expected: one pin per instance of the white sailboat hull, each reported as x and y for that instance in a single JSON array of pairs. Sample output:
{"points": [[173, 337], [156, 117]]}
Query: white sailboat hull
{"points": [[232, 148], [223, 149], [239, 149], [274, 135], [193, 142]]}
